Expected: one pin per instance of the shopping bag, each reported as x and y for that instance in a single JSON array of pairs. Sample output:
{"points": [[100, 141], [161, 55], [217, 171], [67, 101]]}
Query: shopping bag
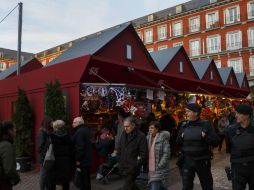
{"points": [[49, 160], [77, 178]]}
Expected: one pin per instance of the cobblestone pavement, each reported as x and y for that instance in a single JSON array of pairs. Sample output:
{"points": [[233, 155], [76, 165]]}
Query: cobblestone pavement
{"points": [[30, 180]]}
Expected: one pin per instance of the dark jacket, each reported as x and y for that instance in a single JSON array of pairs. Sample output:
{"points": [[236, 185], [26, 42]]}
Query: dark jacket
{"points": [[167, 123], [192, 142], [63, 151], [240, 143], [130, 147], [8, 163], [83, 146], [42, 143]]}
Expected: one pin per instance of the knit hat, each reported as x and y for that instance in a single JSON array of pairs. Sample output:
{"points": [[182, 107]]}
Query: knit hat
{"points": [[194, 107], [244, 109]]}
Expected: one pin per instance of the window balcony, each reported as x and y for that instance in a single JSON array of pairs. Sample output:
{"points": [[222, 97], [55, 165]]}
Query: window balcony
{"points": [[195, 52], [213, 49], [194, 28], [212, 25], [234, 46], [232, 19], [177, 32]]}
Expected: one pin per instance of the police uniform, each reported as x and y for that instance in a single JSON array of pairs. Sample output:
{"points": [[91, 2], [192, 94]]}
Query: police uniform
{"points": [[196, 151], [240, 144]]}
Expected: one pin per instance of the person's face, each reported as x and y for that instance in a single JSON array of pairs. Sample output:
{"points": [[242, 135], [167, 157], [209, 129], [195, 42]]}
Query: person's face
{"points": [[75, 123], [152, 130], [240, 118], [128, 126], [191, 115]]}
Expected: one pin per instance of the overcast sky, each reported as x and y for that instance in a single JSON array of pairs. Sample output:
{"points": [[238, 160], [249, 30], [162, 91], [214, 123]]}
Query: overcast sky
{"points": [[48, 23]]}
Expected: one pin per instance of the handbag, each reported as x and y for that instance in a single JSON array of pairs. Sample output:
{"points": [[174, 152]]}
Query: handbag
{"points": [[49, 160], [77, 178]]}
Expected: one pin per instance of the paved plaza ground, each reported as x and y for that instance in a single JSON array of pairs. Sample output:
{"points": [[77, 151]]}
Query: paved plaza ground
{"points": [[30, 180]]}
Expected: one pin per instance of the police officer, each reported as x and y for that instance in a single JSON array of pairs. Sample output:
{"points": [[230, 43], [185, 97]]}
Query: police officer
{"points": [[240, 142], [195, 137]]}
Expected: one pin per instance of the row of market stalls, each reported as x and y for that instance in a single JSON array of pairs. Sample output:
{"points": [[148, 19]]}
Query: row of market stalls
{"points": [[113, 68]]}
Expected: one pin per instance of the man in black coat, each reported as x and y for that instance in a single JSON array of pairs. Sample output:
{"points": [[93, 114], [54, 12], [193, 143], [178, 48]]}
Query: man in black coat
{"points": [[132, 152], [83, 151], [240, 144], [195, 137]]}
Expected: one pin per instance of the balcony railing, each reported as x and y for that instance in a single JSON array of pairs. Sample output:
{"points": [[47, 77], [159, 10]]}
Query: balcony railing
{"points": [[233, 46], [177, 32], [211, 25], [195, 52], [251, 14], [251, 43], [232, 19], [194, 28], [213, 49]]}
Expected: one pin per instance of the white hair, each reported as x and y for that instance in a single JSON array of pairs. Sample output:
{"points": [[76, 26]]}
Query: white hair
{"points": [[58, 124], [78, 121]]}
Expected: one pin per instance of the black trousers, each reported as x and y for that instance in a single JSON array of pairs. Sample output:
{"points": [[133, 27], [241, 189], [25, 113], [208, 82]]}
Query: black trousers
{"points": [[203, 170], [85, 179], [129, 182], [242, 174]]}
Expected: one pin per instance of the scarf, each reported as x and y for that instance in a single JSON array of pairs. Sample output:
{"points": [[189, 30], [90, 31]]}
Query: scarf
{"points": [[151, 147]]}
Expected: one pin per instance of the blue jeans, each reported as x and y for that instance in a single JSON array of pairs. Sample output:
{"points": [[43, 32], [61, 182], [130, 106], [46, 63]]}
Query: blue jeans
{"points": [[156, 185]]}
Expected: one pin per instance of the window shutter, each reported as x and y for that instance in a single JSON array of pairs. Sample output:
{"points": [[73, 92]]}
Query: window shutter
{"points": [[207, 21], [238, 13], [227, 41], [240, 39], [216, 16], [219, 43], [248, 10]]}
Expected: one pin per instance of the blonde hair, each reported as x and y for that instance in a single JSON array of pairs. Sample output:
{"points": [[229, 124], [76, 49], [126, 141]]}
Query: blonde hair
{"points": [[58, 124]]}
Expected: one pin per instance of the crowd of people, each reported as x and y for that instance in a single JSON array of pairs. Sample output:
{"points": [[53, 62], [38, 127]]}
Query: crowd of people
{"points": [[148, 144]]}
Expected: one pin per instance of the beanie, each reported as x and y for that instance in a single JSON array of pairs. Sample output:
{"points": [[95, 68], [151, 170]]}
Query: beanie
{"points": [[194, 107], [244, 109]]}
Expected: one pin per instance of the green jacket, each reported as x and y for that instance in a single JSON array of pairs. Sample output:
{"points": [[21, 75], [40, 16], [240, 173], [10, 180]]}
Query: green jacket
{"points": [[8, 163]]}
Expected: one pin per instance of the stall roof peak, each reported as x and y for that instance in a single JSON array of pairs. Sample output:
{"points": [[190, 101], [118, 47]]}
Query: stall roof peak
{"points": [[163, 57], [201, 66], [224, 73], [90, 44], [240, 78]]}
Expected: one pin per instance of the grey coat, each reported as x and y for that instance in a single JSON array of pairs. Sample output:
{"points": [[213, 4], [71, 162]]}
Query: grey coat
{"points": [[162, 156]]}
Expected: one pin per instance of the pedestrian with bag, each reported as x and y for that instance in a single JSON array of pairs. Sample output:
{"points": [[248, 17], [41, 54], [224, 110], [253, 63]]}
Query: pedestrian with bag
{"points": [[240, 145], [83, 152], [195, 137], [8, 174], [42, 142], [60, 173], [159, 155]]}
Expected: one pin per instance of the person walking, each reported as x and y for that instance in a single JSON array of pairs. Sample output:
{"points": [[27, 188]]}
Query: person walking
{"points": [[240, 142], [223, 124], [62, 148], [83, 151], [8, 174], [42, 141], [159, 155], [132, 152], [195, 137]]}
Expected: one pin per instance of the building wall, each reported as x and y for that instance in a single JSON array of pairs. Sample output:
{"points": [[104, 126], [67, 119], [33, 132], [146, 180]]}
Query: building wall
{"points": [[221, 29]]}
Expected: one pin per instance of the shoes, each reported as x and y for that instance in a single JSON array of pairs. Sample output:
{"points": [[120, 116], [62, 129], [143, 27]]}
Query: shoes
{"points": [[99, 176]]}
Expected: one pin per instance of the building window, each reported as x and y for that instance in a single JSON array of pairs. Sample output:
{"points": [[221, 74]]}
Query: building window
{"points": [[195, 48], [234, 40], [231, 81], [140, 35], [250, 7], [177, 44], [237, 64], [213, 44], [213, 1], [149, 36], [162, 32], [251, 37], [2, 66], [150, 18], [211, 75], [162, 47], [251, 66], [128, 52], [177, 29], [218, 63], [194, 24], [212, 20], [181, 67], [150, 49], [232, 15]]}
